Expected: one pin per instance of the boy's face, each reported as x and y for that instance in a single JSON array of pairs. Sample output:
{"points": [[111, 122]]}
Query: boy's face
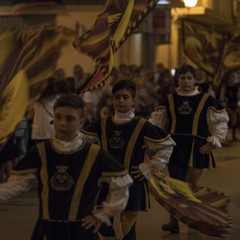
{"points": [[67, 123], [123, 100], [186, 82]]}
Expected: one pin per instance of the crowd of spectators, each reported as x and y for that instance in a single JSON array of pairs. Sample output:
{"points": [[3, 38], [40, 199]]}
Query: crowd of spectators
{"points": [[153, 86]]}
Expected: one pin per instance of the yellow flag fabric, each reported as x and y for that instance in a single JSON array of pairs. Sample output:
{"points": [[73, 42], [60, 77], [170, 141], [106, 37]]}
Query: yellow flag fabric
{"points": [[15, 97], [230, 60], [201, 208], [34, 51], [112, 27]]}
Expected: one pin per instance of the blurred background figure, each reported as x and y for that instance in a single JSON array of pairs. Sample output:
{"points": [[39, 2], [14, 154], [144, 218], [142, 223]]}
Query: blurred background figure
{"points": [[40, 114], [203, 83], [79, 76], [230, 96]]}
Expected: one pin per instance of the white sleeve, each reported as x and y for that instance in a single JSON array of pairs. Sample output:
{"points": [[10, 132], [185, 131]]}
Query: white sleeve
{"points": [[218, 126], [159, 156], [116, 200], [91, 138], [159, 118], [16, 185]]}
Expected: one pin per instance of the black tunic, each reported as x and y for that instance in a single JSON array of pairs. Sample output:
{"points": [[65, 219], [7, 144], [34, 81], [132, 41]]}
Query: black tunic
{"points": [[126, 143]]}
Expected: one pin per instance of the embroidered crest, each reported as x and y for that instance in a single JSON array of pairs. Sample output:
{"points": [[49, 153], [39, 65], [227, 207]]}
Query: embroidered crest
{"points": [[61, 180], [185, 108], [116, 141]]}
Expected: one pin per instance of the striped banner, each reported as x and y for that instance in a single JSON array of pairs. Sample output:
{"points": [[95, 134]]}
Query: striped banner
{"points": [[200, 208], [199, 49], [112, 27], [28, 57], [230, 60]]}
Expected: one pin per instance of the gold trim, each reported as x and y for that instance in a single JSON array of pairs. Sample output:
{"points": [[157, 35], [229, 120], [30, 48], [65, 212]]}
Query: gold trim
{"points": [[88, 133], [146, 195], [44, 179], [197, 113], [190, 160], [104, 133], [25, 171], [128, 219], [160, 107], [171, 108], [157, 140], [76, 199], [217, 111], [115, 174], [132, 141]]}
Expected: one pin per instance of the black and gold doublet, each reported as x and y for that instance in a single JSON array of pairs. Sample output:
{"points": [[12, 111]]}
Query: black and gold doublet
{"points": [[126, 143], [68, 182], [189, 128]]}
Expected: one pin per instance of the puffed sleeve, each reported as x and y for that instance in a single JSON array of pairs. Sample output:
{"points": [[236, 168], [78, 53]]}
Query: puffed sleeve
{"points": [[218, 125], [119, 181], [16, 185], [160, 118], [23, 176], [116, 200]]}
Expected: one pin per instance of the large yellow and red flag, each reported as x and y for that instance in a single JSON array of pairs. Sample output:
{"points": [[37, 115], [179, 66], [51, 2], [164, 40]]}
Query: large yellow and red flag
{"points": [[112, 27], [201, 208], [230, 60], [28, 57], [199, 49]]}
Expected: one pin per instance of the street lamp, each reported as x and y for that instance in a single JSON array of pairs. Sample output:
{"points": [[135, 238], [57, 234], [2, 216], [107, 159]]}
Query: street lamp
{"points": [[190, 3]]}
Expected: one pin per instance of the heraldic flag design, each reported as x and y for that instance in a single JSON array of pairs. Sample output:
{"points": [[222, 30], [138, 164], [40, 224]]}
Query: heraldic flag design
{"points": [[200, 208], [112, 27], [28, 57], [230, 60]]}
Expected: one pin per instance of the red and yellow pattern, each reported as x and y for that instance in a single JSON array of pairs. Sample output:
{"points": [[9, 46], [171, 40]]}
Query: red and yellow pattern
{"points": [[28, 57], [200, 208], [112, 27]]}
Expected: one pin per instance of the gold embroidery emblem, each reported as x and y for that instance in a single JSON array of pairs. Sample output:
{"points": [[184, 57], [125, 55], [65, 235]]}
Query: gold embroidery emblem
{"points": [[185, 108], [61, 180], [116, 141]]}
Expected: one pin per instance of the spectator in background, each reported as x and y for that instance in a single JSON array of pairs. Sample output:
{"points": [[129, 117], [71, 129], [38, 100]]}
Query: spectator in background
{"points": [[79, 77], [41, 113], [203, 83], [231, 98]]}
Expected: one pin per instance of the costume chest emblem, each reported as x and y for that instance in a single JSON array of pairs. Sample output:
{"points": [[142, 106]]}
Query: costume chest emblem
{"points": [[61, 180], [116, 141], [185, 108]]}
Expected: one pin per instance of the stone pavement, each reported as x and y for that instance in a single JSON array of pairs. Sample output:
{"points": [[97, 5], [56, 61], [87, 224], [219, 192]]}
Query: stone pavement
{"points": [[18, 216]]}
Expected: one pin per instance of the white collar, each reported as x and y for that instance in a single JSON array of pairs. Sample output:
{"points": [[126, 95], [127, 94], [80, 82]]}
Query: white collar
{"points": [[64, 146], [192, 93], [124, 117]]}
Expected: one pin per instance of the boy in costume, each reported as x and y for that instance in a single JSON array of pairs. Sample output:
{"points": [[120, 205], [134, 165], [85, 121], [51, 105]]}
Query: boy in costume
{"points": [[68, 171], [197, 123], [128, 138]]}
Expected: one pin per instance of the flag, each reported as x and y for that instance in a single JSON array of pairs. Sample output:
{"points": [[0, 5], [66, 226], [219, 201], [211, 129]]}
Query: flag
{"points": [[230, 59], [112, 27], [21, 5], [28, 57], [200, 208], [199, 49]]}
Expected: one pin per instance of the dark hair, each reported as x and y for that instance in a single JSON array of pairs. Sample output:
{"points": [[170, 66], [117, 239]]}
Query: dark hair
{"points": [[184, 69], [69, 100], [128, 84]]}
